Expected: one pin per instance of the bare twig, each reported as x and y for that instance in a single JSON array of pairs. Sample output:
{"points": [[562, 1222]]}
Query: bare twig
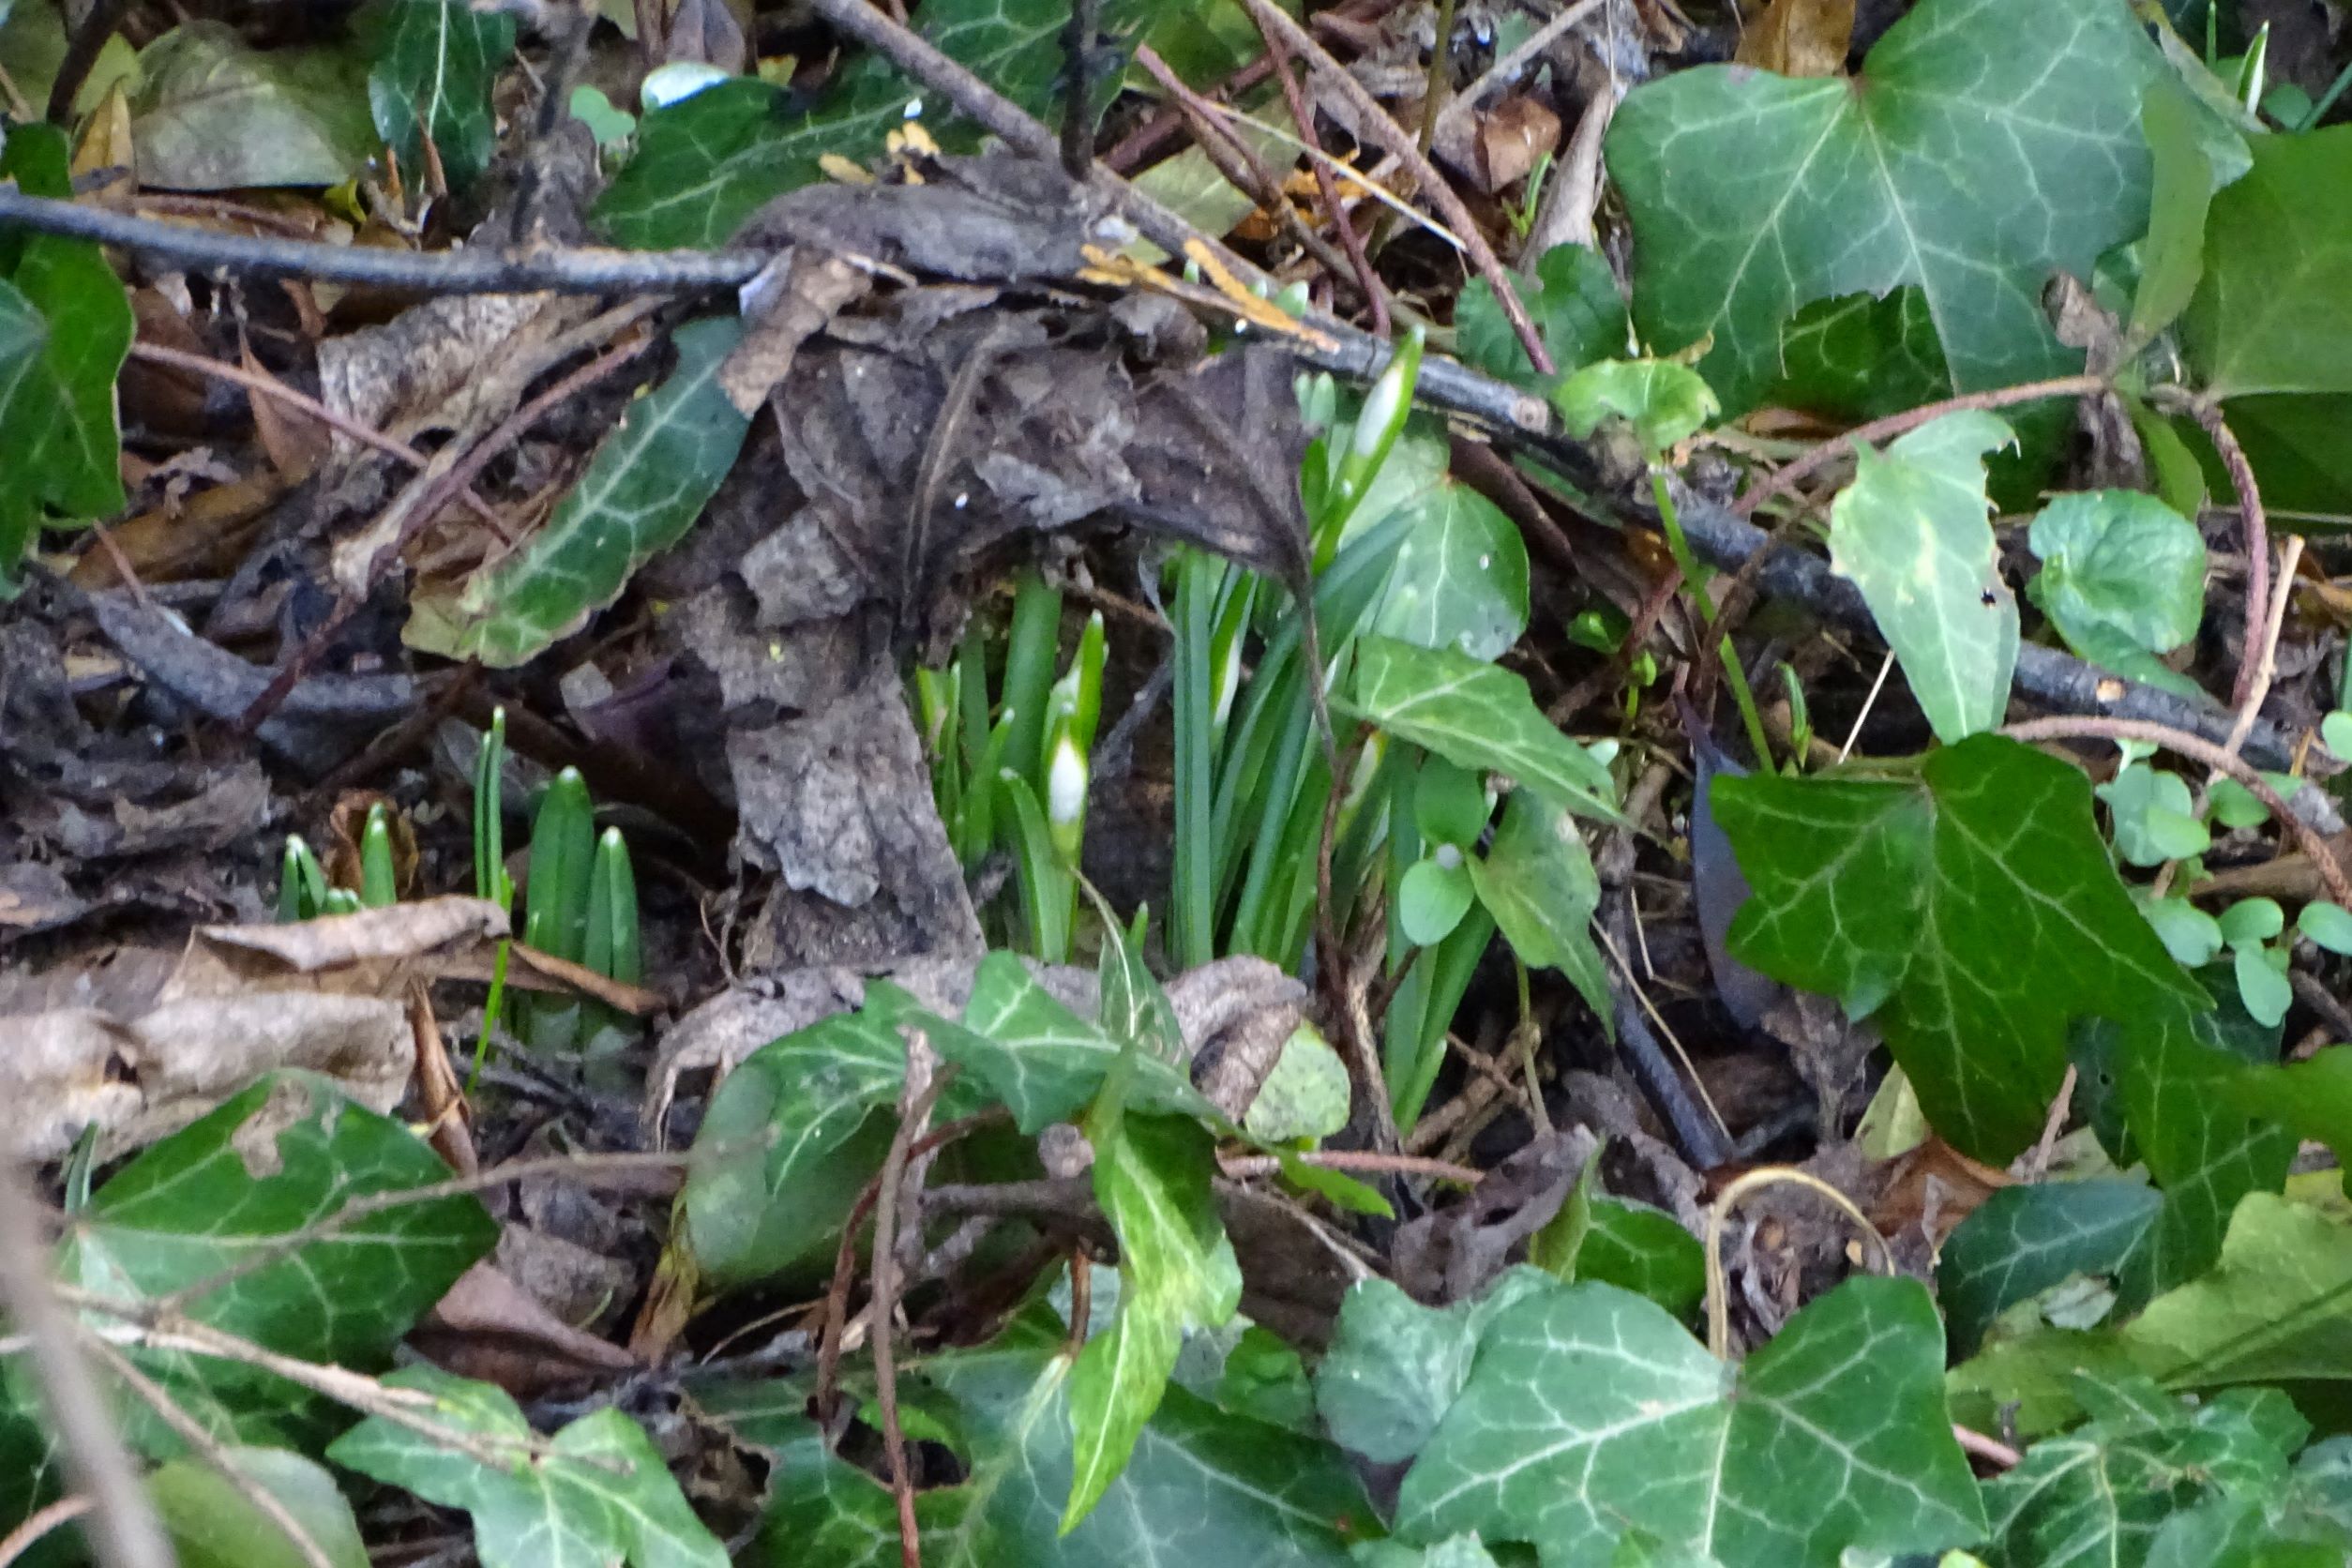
{"points": [[2310, 839], [915, 1107], [1327, 185], [1991, 1450], [82, 52], [1375, 122], [2207, 411], [584, 270], [39, 1523], [1718, 1213], [1077, 117], [123, 1527], [1369, 1160], [1788, 477], [271, 387], [2265, 664]]}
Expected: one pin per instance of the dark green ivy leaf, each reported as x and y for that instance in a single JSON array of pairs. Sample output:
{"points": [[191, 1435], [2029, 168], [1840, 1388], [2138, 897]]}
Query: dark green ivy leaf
{"points": [[434, 64]]}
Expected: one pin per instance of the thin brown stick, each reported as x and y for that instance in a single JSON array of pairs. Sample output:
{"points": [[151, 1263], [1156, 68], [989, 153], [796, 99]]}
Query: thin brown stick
{"points": [[914, 1106], [2265, 664], [1240, 164], [271, 387], [123, 1528], [207, 1448], [1991, 1450], [2310, 839], [1370, 1160], [1788, 477], [2207, 411], [172, 1330], [39, 1523], [1327, 185], [582, 270], [1375, 121]]}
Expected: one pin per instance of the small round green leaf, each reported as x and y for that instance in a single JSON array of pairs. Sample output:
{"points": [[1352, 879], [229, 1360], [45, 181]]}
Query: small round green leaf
{"points": [[2235, 805], [2151, 811], [2262, 982], [2192, 936], [1432, 900], [1664, 403], [1305, 1095], [2252, 920], [2327, 925], [2335, 732]]}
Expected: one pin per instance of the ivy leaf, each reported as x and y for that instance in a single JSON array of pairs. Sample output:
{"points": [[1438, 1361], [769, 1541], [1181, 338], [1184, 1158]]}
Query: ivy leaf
{"points": [[641, 493], [1578, 315], [1664, 403], [2023, 1240], [1973, 908], [1041, 1059], [1475, 715], [1589, 1411], [1914, 532], [1753, 194], [1394, 1365], [434, 64], [1205, 1487], [775, 1168], [598, 1495], [64, 326], [1536, 879], [227, 1192], [2122, 578], [2273, 312], [2181, 185], [1460, 578], [212, 113], [1304, 1096], [1176, 1271], [2103, 1493], [705, 164]]}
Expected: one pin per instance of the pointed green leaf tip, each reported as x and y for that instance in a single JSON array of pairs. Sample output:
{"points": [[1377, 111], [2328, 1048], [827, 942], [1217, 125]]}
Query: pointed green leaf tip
{"points": [[1914, 532]]}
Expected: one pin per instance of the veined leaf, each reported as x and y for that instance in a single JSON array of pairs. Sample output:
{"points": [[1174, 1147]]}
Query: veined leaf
{"points": [[434, 64], [213, 1525], [1577, 312], [599, 1495], [232, 1188], [1536, 879], [1460, 578], [702, 165], [2122, 578], [1589, 1413], [1753, 194], [641, 493], [2023, 1240], [1476, 717], [1973, 908], [214, 113], [1914, 532], [1043, 1062], [771, 1179], [1176, 1273], [1856, 357]]}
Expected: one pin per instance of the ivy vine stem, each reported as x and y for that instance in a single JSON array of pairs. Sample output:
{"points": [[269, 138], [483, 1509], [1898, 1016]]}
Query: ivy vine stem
{"points": [[1719, 1214]]}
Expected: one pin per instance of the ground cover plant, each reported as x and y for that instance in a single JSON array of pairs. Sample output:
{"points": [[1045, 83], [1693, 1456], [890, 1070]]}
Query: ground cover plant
{"points": [[1069, 781]]}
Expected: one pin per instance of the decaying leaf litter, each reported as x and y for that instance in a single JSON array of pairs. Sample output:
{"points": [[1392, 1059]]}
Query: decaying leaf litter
{"points": [[1493, 1043]]}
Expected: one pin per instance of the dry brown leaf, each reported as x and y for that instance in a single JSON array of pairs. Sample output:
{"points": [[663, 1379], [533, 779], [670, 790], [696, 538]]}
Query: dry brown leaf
{"points": [[1799, 38], [487, 1327], [1512, 139]]}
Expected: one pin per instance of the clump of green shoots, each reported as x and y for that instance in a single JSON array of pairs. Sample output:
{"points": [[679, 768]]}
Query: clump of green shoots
{"points": [[1014, 774], [579, 905]]}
